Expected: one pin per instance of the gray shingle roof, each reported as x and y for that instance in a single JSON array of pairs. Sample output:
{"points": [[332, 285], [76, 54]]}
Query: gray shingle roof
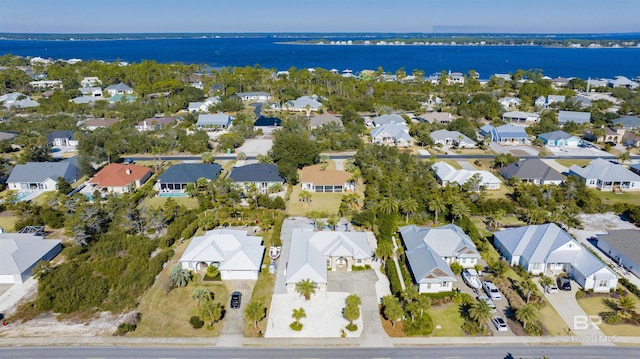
{"points": [[627, 122], [258, 172], [531, 169], [190, 172]]}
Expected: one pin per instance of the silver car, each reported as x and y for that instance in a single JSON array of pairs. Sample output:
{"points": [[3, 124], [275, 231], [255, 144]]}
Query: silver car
{"points": [[500, 324]]}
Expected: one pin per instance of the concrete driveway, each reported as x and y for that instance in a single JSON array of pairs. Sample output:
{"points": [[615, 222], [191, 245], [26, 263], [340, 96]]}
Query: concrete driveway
{"points": [[232, 332], [502, 308], [567, 306]]}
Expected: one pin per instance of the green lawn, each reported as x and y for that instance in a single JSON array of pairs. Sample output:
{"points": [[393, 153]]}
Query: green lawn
{"points": [[596, 305], [159, 201], [502, 192], [449, 319], [453, 163], [552, 321], [609, 197], [8, 223]]}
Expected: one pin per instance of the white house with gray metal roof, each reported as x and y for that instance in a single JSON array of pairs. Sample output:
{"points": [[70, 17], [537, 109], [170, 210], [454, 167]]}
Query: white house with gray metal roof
{"points": [[445, 174], [21, 252], [392, 134], [430, 251], [43, 176], [548, 250], [606, 176], [450, 138], [213, 121], [574, 116], [521, 116], [236, 254], [312, 254], [623, 246]]}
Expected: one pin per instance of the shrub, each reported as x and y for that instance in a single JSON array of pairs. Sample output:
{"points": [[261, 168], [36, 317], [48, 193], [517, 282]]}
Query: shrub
{"points": [[196, 322], [534, 329], [359, 268], [297, 326], [350, 327], [392, 274], [630, 286], [420, 326], [580, 294], [456, 268], [125, 328], [471, 327]]}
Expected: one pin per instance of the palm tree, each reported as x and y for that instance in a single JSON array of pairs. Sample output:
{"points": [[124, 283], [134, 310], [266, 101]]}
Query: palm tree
{"points": [[392, 309], [459, 209], [333, 221], [527, 314], [41, 269], [545, 282], [437, 205], [351, 313], [353, 299], [298, 314], [201, 294], [306, 288], [179, 276], [408, 206], [624, 157], [387, 206], [626, 304], [529, 286], [255, 311], [305, 196], [480, 311]]}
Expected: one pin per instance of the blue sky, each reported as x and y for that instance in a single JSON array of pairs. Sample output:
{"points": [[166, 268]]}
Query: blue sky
{"points": [[539, 16]]}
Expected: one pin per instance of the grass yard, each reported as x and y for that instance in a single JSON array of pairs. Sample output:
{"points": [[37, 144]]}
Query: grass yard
{"points": [[552, 321], [453, 163], [188, 202], [328, 203], [262, 292], [609, 197], [569, 163], [168, 315], [8, 222], [502, 192], [449, 319], [596, 305]]}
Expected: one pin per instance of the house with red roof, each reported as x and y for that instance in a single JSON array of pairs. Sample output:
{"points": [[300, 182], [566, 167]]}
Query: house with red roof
{"points": [[119, 178]]}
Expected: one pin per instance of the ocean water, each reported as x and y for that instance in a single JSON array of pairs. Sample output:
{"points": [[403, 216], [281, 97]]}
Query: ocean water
{"points": [[272, 52]]}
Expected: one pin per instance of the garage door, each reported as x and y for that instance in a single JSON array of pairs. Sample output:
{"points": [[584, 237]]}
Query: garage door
{"points": [[226, 275]]}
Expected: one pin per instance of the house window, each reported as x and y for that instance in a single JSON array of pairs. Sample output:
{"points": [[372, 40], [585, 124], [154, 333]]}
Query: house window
{"points": [[359, 261], [535, 266], [603, 283], [328, 262]]}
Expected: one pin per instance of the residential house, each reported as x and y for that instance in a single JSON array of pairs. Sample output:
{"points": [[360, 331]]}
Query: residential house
{"points": [[582, 101], [154, 123], [46, 84], [24, 103], [92, 124], [437, 117], [630, 139], [506, 77], [62, 139], [312, 254], [118, 178], [630, 123], [455, 78], [17, 100], [574, 116], [606, 176], [623, 246], [543, 103], [82, 100], [509, 102], [235, 254], [42, 176], [306, 104], [254, 96], [559, 139], [393, 118], [261, 175], [7, 136], [121, 98], [203, 106], [316, 179], [90, 82], [548, 250], [506, 134], [534, 171], [177, 177], [452, 138], [521, 116], [613, 135], [430, 252], [445, 174], [20, 253], [119, 89], [91, 91], [560, 82], [392, 134], [622, 81], [324, 119], [213, 121], [432, 101], [635, 168], [267, 124]]}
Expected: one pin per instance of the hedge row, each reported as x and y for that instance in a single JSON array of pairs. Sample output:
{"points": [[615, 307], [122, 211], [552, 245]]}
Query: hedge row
{"points": [[392, 274]]}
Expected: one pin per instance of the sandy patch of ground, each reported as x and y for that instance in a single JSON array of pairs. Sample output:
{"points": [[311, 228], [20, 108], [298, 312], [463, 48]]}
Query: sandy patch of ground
{"points": [[599, 223], [324, 316], [46, 325]]}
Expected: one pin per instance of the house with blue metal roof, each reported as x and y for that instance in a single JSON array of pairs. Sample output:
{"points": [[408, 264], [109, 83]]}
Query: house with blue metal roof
{"points": [[506, 134], [208, 121], [430, 251], [559, 139], [175, 179], [261, 175], [548, 250]]}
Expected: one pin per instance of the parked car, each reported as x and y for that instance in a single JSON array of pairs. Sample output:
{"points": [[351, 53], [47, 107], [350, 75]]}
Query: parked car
{"points": [[492, 291], [551, 288], [491, 304], [129, 161], [564, 283], [500, 324], [236, 298]]}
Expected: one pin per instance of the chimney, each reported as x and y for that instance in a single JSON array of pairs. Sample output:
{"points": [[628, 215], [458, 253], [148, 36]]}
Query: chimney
{"points": [[128, 170]]}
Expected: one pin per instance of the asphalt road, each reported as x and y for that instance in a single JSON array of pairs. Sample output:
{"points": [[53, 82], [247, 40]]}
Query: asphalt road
{"points": [[484, 352]]}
